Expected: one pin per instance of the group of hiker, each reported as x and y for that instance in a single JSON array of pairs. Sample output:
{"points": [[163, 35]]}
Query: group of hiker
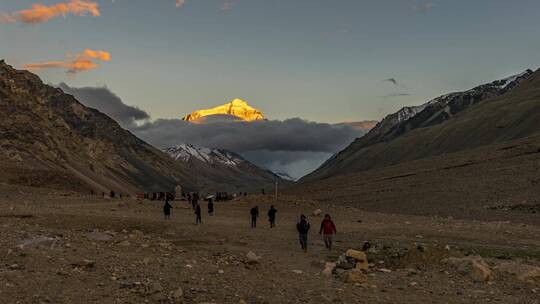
{"points": [[327, 229]]}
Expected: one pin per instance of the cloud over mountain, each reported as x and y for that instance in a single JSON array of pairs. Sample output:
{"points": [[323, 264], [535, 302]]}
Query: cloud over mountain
{"points": [[102, 99], [294, 146]]}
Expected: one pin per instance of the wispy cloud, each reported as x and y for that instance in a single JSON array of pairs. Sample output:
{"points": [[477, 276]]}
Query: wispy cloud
{"points": [[396, 95], [228, 5], [180, 3], [39, 13], [423, 6], [74, 64]]}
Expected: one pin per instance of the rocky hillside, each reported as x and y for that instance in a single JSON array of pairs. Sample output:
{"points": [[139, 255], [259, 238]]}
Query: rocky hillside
{"points": [[49, 139], [505, 109], [225, 168], [237, 108]]}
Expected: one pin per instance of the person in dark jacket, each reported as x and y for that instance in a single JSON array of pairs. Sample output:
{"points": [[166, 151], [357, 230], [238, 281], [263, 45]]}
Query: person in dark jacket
{"points": [[272, 216], [210, 206], [195, 200], [254, 215], [303, 228], [198, 219], [328, 229], [167, 210]]}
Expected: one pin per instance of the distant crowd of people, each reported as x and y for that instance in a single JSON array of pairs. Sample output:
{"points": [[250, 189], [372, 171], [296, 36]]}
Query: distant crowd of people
{"points": [[327, 228]]}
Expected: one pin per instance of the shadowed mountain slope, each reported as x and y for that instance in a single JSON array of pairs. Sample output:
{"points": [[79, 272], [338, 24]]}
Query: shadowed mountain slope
{"points": [[504, 110]]}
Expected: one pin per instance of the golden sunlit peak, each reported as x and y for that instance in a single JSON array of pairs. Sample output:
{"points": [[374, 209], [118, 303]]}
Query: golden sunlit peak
{"points": [[237, 107]]}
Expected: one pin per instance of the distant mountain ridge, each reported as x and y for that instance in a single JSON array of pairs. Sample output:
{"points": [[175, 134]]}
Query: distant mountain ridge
{"points": [[358, 156], [237, 107], [224, 167], [186, 152], [441, 108]]}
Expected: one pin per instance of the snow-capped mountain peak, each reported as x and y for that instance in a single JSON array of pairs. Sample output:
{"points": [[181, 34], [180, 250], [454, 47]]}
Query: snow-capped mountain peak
{"points": [[186, 152], [497, 87]]}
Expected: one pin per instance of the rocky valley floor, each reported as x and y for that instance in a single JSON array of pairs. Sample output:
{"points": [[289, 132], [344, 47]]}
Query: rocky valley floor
{"points": [[67, 248]]}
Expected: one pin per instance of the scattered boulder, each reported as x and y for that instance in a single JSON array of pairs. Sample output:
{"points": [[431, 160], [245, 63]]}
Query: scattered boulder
{"points": [[178, 293], [124, 243], [252, 258], [522, 272], [42, 241], [84, 265], [359, 257], [354, 276], [329, 268], [317, 212], [473, 266], [98, 236], [15, 267]]}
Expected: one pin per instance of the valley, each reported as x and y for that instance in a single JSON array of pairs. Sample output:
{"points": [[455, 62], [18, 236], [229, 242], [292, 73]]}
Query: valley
{"points": [[92, 250]]}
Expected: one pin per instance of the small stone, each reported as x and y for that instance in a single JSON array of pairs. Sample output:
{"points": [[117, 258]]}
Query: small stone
{"points": [[124, 243], [317, 212], [178, 293], [252, 258], [84, 264], [329, 268], [354, 276]]}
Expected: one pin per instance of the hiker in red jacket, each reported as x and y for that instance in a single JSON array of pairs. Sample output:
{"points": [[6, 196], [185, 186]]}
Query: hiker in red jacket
{"points": [[328, 229]]}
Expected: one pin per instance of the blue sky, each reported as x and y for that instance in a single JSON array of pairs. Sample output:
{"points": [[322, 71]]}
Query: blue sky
{"points": [[320, 60]]}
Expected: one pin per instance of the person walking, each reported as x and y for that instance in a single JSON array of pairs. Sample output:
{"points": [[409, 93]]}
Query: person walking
{"points": [[195, 200], [198, 219], [210, 206], [167, 210], [328, 229], [303, 228], [272, 216], [254, 215]]}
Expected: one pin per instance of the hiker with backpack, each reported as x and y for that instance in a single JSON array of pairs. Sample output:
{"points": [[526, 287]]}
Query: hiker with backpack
{"points": [[254, 215], [328, 229], [303, 228], [167, 210], [272, 216]]}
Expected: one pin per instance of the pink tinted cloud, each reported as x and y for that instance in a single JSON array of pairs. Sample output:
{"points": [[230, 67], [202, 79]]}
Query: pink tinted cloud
{"points": [[80, 63]]}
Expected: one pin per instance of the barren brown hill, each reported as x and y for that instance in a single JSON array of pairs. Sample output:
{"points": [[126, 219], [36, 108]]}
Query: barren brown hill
{"points": [[461, 121], [49, 139], [493, 182], [483, 162]]}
